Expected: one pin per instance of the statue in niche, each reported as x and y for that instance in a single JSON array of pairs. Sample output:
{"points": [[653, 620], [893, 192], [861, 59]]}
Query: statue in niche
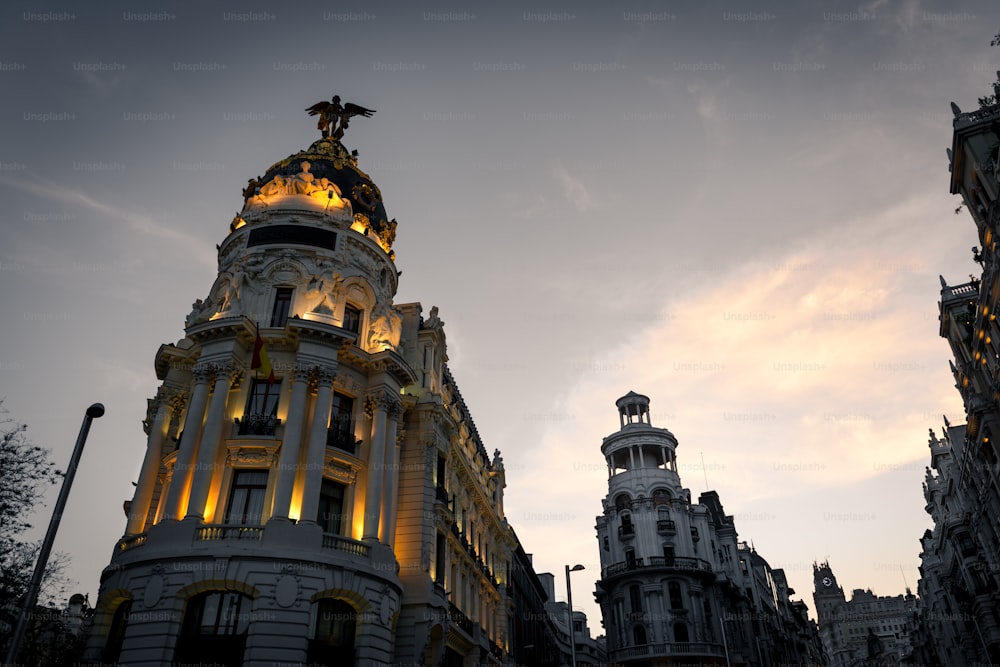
{"points": [[386, 327], [321, 292]]}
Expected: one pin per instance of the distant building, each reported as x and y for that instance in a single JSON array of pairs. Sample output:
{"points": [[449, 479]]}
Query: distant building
{"points": [[677, 587], [960, 568], [314, 488], [589, 651], [867, 629]]}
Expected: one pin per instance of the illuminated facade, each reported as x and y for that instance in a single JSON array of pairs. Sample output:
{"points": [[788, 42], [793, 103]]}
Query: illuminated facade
{"points": [[676, 586], [338, 508], [960, 561]]}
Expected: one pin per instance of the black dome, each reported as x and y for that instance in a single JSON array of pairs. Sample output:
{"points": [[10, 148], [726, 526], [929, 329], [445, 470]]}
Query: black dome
{"points": [[329, 159]]}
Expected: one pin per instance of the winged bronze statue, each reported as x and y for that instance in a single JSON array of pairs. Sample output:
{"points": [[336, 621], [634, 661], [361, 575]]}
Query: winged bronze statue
{"points": [[334, 117]]}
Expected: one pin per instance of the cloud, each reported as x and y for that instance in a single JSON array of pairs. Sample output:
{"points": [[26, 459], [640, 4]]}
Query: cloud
{"points": [[574, 190], [137, 222], [785, 380]]}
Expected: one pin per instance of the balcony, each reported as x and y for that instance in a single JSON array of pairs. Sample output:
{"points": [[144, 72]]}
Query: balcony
{"points": [[455, 615], [257, 424], [675, 564], [667, 649], [233, 532], [345, 544], [626, 532], [665, 526], [342, 440]]}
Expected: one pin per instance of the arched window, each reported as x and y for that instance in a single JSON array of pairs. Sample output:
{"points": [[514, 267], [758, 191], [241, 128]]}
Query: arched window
{"points": [[639, 635], [623, 502], [661, 497], [681, 633], [116, 634], [674, 589], [333, 641], [214, 630]]}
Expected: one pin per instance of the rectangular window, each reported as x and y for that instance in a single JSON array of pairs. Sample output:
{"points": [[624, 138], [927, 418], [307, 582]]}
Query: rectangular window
{"points": [[331, 506], [439, 559], [352, 319], [260, 416], [282, 304], [341, 431], [246, 497]]}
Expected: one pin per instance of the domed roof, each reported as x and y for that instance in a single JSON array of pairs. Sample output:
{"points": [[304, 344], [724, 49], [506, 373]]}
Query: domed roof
{"points": [[329, 159]]}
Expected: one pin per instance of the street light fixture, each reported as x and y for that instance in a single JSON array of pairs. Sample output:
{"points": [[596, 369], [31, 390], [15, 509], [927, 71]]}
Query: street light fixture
{"points": [[31, 596], [569, 604]]}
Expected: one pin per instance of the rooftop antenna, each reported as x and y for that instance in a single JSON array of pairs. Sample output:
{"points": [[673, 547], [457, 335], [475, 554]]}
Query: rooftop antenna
{"points": [[704, 470], [903, 574]]}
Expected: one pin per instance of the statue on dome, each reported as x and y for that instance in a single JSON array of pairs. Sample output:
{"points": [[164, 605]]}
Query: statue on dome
{"points": [[334, 117]]}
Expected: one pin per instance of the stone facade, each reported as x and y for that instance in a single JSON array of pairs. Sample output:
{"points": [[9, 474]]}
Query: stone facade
{"points": [[314, 489], [677, 587], [867, 629]]}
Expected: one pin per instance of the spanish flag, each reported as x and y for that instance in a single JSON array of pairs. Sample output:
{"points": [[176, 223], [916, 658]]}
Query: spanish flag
{"points": [[260, 361]]}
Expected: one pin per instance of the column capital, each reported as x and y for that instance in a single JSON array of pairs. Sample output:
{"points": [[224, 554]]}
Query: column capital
{"points": [[302, 373], [202, 372], [382, 399], [325, 375]]}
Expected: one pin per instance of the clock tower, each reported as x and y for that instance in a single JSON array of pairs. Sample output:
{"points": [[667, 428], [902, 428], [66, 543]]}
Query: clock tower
{"points": [[830, 605]]}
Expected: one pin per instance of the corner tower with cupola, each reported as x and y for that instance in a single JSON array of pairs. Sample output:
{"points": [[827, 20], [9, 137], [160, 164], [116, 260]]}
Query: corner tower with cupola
{"points": [[657, 588], [307, 456]]}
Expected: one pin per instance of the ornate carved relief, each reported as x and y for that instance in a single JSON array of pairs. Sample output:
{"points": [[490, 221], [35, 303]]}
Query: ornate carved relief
{"points": [[251, 456]]}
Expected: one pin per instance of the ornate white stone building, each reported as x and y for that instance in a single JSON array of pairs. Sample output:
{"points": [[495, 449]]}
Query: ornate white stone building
{"points": [[338, 510], [676, 586]]}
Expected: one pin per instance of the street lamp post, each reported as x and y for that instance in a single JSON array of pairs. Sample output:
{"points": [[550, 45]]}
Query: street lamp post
{"points": [[31, 596], [569, 604]]}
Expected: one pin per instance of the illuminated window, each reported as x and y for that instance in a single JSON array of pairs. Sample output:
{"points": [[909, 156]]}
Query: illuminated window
{"points": [[331, 506], [246, 497], [260, 416], [341, 431], [352, 318], [282, 304]]}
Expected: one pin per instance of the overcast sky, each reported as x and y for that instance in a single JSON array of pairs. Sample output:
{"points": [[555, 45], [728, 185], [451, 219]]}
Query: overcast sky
{"points": [[738, 209]]}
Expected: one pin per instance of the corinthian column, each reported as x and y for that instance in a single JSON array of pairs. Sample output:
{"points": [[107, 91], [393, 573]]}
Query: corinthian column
{"points": [[317, 444], [288, 464], [208, 450], [377, 405], [390, 492], [176, 498], [139, 508]]}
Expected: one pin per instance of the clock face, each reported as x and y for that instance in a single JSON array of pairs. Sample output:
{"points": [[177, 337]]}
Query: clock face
{"points": [[827, 581]]}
